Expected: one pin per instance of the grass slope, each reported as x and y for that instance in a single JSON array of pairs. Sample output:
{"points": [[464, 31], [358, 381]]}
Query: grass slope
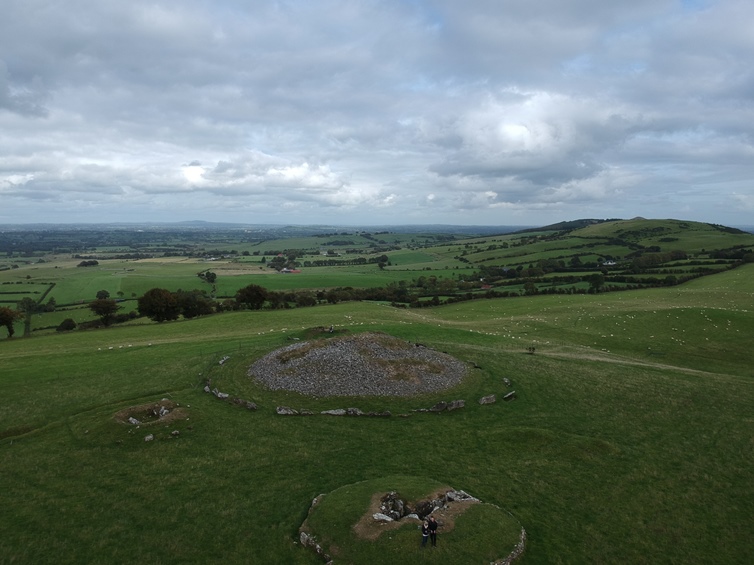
{"points": [[630, 440]]}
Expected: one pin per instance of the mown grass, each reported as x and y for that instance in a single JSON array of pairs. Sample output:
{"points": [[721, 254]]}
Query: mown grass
{"points": [[633, 447]]}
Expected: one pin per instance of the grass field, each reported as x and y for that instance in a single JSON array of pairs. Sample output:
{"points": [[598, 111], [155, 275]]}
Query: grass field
{"points": [[630, 440]]}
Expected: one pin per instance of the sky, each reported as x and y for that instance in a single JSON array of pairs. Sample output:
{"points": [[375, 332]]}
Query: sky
{"points": [[344, 112]]}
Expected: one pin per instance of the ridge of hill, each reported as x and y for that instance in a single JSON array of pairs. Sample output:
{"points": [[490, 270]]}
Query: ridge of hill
{"points": [[639, 229]]}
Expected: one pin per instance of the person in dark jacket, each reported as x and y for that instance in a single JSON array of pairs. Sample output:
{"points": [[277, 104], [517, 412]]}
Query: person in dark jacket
{"points": [[432, 523]]}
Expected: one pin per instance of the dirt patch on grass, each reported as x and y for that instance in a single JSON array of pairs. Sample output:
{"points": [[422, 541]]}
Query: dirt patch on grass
{"points": [[370, 529], [151, 412]]}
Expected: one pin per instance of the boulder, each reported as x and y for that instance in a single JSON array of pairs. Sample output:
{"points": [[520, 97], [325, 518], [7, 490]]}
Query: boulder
{"points": [[245, 403], [456, 404], [286, 411], [439, 407], [489, 399], [458, 495], [507, 381], [134, 421], [380, 517], [335, 412], [150, 437], [354, 412], [510, 396]]}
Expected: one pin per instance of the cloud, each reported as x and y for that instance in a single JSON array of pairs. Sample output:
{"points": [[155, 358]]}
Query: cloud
{"points": [[472, 112]]}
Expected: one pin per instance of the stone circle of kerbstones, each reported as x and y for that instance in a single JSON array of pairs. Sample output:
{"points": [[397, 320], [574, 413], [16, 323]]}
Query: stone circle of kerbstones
{"points": [[367, 364]]}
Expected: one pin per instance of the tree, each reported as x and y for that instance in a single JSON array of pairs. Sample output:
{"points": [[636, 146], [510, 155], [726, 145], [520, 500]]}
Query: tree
{"points": [[596, 281], [253, 296], [102, 295], [305, 298], [50, 306], [28, 308], [159, 305], [8, 317], [105, 308], [194, 303]]}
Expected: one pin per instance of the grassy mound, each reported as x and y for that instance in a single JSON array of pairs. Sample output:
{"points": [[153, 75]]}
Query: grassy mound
{"points": [[342, 524]]}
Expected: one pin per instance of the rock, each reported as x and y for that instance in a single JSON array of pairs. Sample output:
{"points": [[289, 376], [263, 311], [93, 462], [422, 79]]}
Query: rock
{"points": [[305, 412], [456, 404], [439, 407], [175, 433], [245, 403], [163, 412], [413, 516], [134, 421], [286, 411], [380, 517], [510, 396], [357, 366], [385, 414], [354, 412], [458, 495], [150, 437], [490, 399], [507, 381], [222, 395], [424, 508], [392, 505], [336, 412], [206, 388]]}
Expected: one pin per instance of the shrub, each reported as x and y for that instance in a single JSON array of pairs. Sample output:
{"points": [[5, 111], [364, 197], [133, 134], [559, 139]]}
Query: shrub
{"points": [[66, 325]]}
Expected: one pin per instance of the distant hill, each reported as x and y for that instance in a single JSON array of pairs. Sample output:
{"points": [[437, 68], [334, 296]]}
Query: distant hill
{"points": [[566, 225]]}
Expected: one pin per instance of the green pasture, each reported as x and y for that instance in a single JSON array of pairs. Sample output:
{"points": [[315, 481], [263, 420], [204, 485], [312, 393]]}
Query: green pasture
{"points": [[10, 294], [629, 441], [407, 257]]}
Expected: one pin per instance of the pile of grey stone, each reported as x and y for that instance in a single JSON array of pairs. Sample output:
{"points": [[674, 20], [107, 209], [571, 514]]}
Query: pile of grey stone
{"points": [[368, 364]]}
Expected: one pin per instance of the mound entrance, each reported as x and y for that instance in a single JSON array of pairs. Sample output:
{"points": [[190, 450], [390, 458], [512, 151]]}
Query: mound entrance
{"points": [[443, 507], [367, 364]]}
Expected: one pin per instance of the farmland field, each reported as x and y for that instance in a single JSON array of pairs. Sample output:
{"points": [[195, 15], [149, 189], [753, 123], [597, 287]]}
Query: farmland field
{"points": [[629, 440]]}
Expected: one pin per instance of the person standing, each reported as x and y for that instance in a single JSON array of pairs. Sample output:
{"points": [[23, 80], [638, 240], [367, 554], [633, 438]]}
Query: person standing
{"points": [[425, 533], [432, 523]]}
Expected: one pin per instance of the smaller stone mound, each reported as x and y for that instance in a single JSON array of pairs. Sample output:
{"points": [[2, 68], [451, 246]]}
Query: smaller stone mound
{"points": [[368, 364], [365, 519]]}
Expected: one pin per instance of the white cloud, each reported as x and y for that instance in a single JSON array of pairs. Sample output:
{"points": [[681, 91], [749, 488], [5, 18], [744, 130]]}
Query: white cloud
{"points": [[472, 112]]}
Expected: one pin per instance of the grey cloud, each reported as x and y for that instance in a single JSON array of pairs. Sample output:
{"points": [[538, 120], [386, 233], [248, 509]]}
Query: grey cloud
{"points": [[388, 110]]}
